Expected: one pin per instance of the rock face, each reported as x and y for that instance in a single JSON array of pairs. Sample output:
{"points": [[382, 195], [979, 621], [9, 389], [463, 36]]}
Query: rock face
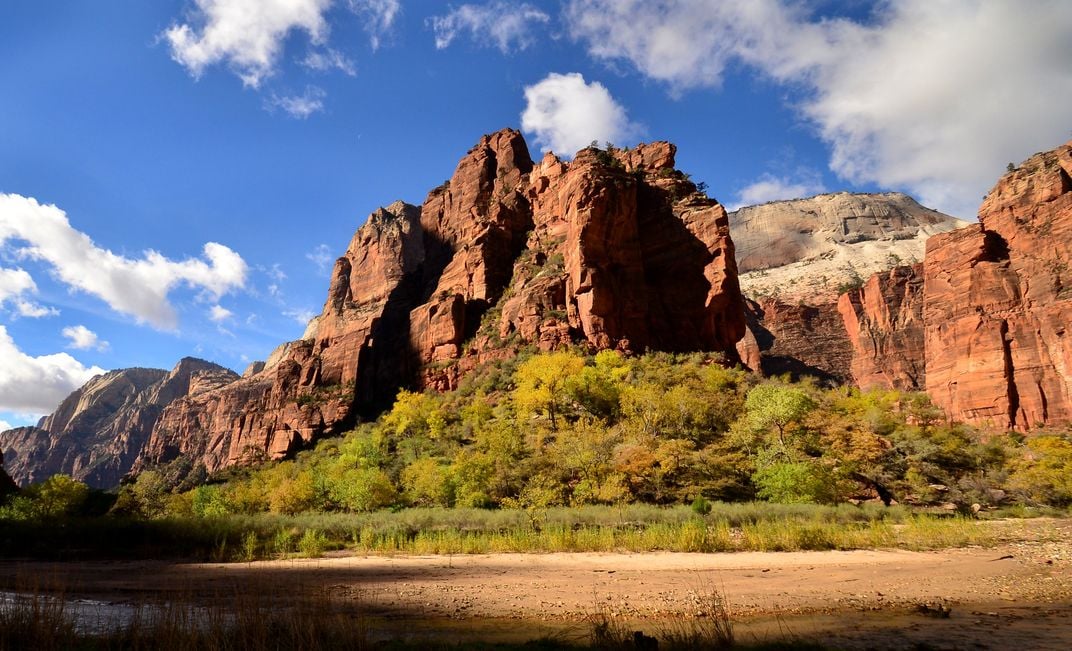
{"points": [[615, 249], [814, 248], [797, 339], [998, 302], [625, 253], [884, 323], [97, 433]]}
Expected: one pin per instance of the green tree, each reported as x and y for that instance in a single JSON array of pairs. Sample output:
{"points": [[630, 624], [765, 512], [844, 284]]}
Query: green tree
{"points": [[427, 482], [778, 406], [1043, 473], [544, 384], [58, 496]]}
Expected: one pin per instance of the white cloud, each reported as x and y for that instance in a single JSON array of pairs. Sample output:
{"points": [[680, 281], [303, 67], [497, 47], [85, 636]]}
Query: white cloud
{"points": [[773, 188], [329, 59], [138, 287], [379, 17], [82, 338], [506, 25], [321, 256], [219, 314], [298, 106], [15, 285], [246, 34], [931, 97], [5, 426], [276, 273], [37, 384], [302, 316], [566, 114]]}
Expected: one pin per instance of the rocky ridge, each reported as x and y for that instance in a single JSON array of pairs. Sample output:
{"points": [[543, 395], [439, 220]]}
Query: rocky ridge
{"points": [[614, 249], [7, 484], [818, 247], [97, 433]]}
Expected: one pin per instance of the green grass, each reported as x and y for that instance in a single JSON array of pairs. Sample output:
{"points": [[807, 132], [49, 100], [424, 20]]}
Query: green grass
{"points": [[632, 528]]}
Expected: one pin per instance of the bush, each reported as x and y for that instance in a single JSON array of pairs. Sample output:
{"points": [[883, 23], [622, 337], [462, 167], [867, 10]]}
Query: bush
{"points": [[799, 482], [313, 543]]}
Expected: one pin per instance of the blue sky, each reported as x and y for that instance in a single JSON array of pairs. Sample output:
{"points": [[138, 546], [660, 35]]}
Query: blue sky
{"points": [[268, 130]]}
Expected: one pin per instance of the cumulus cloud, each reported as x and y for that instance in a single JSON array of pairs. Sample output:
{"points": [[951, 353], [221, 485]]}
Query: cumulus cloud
{"points": [[15, 286], [247, 35], [379, 17], [301, 106], [82, 338], [566, 114], [506, 25], [932, 97], [138, 287], [4, 426], [769, 187], [37, 384]]}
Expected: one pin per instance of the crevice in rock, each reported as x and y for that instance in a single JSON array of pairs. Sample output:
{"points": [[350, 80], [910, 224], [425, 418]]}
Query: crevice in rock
{"points": [[1045, 402], [1012, 392]]}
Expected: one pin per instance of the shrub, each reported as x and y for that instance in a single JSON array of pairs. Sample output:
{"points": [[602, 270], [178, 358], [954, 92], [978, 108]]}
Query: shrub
{"points": [[313, 543]]}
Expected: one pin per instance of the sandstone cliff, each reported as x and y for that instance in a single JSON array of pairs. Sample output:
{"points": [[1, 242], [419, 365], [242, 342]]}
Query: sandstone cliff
{"points": [[813, 248], [615, 249], [883, 321], [796, 338], [980, 324], [96, 434], [998, 302]]}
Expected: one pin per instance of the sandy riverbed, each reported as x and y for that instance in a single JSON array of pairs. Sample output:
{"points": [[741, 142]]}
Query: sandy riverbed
{"points": [[1016, 594]]}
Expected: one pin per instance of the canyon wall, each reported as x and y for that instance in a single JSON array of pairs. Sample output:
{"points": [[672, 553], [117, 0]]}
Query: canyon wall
{"points": [[614, 249], [998, 302]]}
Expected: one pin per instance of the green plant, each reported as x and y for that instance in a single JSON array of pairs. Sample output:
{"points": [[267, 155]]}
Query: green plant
{"points": [[250, 546], [313, 543]]}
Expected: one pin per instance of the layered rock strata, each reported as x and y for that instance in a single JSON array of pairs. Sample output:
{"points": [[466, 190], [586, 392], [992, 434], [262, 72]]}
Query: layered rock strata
{"points": [[798, 339], [813, 249]]}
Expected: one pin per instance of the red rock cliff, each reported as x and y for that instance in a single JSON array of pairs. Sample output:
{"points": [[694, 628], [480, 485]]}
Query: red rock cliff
{"points": [[998, 302], [884, 323], [614, 249]]}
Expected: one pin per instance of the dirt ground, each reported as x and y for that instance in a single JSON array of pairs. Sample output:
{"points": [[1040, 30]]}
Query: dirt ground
{"points": [[1016, 594]]}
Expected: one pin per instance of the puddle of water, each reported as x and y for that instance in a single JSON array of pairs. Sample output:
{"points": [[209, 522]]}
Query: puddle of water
{"points": [[92, 617]]}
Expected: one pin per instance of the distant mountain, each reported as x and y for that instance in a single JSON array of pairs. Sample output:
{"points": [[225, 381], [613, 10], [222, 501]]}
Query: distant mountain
{"points": [[816, 247], [97, 432]]}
